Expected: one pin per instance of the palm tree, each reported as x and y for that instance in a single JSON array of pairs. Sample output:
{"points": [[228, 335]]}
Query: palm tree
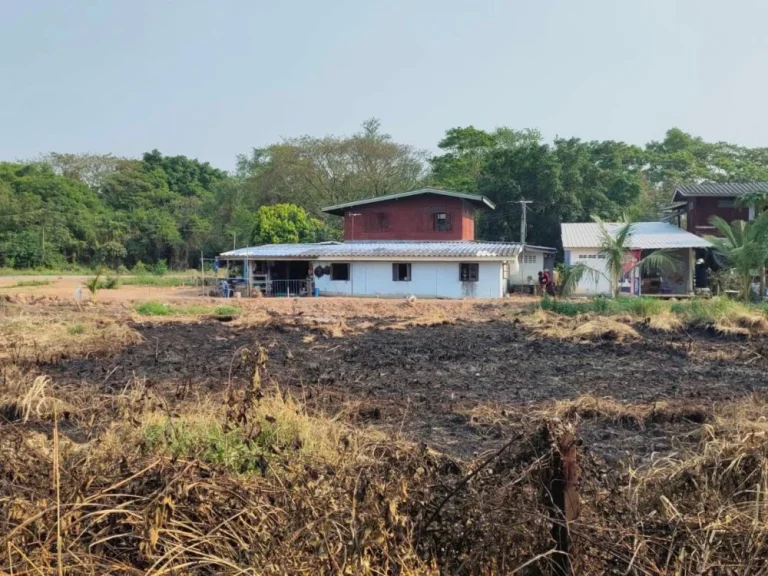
{"points": [[614, 246], [570, 275], [744, 245]]}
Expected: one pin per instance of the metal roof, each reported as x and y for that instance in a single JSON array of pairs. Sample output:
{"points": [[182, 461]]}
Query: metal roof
{"points": [[645, 235], [715, 190], [422, 250], [338, 209]]}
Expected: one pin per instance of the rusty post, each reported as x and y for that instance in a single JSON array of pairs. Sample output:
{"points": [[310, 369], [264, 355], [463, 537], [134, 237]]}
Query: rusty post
{"points": [[561, 492]]}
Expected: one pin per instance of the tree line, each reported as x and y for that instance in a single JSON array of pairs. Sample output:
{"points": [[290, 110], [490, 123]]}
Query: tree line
{"points": [[64, 209]]}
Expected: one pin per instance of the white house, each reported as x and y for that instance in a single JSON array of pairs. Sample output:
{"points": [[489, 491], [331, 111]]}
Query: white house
{"points": [[419, 242], [428, 269], [581, 243]]}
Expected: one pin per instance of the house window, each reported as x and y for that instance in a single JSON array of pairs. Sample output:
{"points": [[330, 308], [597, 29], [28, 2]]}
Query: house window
{"points": [[529, 259], [505, 270], [339, 271], [376, 222], [725, 203], [441, 221], [469, 272], [401, 272]]}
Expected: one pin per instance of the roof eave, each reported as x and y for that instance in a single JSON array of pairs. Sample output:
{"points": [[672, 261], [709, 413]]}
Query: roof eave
{"points": [[338, 209]]}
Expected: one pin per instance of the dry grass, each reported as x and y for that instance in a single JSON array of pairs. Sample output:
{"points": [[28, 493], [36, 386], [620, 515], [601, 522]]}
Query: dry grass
{"points": [[254, 485], [665, 321], [705, 507], [48, 338]]}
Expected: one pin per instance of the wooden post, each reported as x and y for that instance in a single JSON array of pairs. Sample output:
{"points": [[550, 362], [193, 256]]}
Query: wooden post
{"points": [[561, 492]]}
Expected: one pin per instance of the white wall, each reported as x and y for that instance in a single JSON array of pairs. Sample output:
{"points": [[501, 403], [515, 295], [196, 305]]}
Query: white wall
{"points": [[588, 286], [428, 280], [531, 263]]}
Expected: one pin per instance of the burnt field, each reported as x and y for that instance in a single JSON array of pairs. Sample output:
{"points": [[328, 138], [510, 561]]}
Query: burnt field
{"points": [[379, 438], [460, 387]]}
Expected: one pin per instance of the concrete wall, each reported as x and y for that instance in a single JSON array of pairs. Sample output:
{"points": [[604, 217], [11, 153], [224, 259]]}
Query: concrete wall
{"points": [[428, 280], [588, 256], [531, 263], [411, 219]]}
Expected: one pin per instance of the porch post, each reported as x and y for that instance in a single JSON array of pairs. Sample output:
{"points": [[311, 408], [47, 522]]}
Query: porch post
{"points": [[691, 269]]}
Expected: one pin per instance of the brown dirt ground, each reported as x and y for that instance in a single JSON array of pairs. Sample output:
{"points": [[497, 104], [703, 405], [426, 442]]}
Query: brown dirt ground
{"points": [[458, 376]]}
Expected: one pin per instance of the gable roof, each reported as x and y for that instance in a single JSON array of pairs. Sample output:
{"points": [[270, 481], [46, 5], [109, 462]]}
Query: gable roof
{"points": [[482, 201], [381, 249], [714, 190], [645, 235]]}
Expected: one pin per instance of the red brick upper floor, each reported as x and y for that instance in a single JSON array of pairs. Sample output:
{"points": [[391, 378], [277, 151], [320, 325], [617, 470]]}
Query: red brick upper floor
{"points": [[427, 214]]}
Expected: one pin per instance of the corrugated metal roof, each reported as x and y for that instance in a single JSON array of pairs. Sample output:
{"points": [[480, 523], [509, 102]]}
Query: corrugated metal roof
{"points": [[720, 190], [384, 249], [338, 209], [645, 235]]}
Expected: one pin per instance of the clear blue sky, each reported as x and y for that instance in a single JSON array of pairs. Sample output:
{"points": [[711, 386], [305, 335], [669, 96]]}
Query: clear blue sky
{"points": [[211, 79]]}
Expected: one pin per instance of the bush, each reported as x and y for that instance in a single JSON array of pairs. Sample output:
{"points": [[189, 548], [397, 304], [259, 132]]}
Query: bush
{"points": [[111, 283], [160, 268], [140, 269]]}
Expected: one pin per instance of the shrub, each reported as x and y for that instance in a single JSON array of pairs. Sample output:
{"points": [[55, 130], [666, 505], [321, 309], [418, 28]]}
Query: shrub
{"points": [[160, 268], [111, 283], [140, 269]]}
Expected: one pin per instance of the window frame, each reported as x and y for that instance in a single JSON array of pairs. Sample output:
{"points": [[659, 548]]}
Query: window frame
{"points": [[376, 222], [396, 272], [471, 266], [334, 265], [447, 227]]}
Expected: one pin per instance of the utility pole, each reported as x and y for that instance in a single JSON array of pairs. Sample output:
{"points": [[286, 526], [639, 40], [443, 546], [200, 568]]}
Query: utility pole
{"points": [[523, 226], [523, 218]]}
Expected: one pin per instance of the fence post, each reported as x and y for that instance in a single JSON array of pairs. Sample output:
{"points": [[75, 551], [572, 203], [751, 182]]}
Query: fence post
{"points": [[561, 492]]}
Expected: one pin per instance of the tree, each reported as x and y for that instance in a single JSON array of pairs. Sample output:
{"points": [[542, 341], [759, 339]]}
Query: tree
{"points": [[285, 224], [111, 254], [316, 172], [744, 246], [614, 247], [529, 172], [467, 150]]}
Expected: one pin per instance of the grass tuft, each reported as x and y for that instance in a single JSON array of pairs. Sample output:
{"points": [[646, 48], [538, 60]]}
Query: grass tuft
{"points": [[166, 309]]}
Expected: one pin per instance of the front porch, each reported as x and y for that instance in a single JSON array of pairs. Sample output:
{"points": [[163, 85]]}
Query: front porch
{"points": [[676, 281], [271, 278]]}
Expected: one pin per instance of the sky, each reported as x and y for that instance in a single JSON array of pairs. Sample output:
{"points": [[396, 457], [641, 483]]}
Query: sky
{"points": [[214, 78]]}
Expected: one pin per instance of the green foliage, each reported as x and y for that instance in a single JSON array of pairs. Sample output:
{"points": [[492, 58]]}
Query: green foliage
{"points": [[285, 224], [160, 268], [165, 309], [75, 329], [159, 281], [693, 311], [31, 283], [570, 275], [140, 269], [64, 211], [111, 254], [111, 283], [744, 246], [94, 284]]}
